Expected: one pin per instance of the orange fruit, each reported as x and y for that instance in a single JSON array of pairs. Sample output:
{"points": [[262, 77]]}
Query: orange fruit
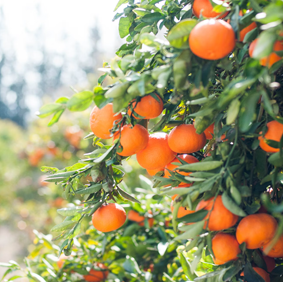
{"points": [[209, 131], [61, 260], [256, 230], [277, 249], [102, 121], [149, 219], [134, 216], [212, 39], [109, 217], [36, 156], [272, 58], [97, 275], [182, 211], [148, 107], [205, 8], [220, 218], [261, 272], [132, 139], [247, 29], [225, 248], [187, 158], [74, 136], [184, 139], [274, 132], [152, 172], [157, 153], [270, 263]]}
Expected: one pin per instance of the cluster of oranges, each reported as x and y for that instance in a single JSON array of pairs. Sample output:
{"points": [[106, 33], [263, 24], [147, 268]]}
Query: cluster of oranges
{"points": [[219, 39]]}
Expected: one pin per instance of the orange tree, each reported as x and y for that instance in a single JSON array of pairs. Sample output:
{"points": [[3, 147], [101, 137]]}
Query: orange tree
{"points": [[218, 84]]}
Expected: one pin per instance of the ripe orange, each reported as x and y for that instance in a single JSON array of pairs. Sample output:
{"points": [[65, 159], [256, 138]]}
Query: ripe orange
{"points": [[272, 58], [225, 248], [205, 8], [247, 29], [261, 272], [184, 139], [102, 120], [36, 156], [149, 219], [274, 132], [277, 249], [109, 217], [152, 172], [187, 158], [157, 153], [148, 107], [256, 230], [133, 139], [134, 216], [219, 218], [97, 275], [209, 131], [270, 263], [182, 211], [61, 260], [73, 136], [212, 39]]}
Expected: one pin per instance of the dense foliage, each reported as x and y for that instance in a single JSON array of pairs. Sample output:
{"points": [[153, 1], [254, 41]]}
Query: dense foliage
{"points": [[239, 94]]}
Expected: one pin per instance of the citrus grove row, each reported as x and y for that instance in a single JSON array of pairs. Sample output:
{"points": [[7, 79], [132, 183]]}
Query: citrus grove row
{"points": [[202, 113]]}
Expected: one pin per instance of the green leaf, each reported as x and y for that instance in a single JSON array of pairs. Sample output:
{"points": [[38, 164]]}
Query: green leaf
{"points": [[89, 190], [105, 155], [201, 166], [250, 275], [69, 211], [149, 40], [264, 45], [194, 230], [65, 225], [233, 111], [231, 205], [56, 117], [179, 34], [121, 2], [124, 26], [80, 101], [117, 91], [247, 112], [151, 18], [127, 196], [186, 267], [275, 159], [193, 217], [49, 109]]}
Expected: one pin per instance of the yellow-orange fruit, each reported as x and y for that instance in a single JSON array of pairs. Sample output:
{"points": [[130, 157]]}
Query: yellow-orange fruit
{"points": [[277, 249], [182, 211], [132, 139], [225, 248], [109, 217], [157, 153], [274, 132], [102, 120], [205, 8], [134, 216], [212, 39], [148, 107], [219, 218], [184, 139], [97, 275], [152, 172], [272, 58], [256, 230], [247, 29]]}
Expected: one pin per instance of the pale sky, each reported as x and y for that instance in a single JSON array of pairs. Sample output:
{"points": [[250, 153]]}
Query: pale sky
{"points": [[63, 28]]}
